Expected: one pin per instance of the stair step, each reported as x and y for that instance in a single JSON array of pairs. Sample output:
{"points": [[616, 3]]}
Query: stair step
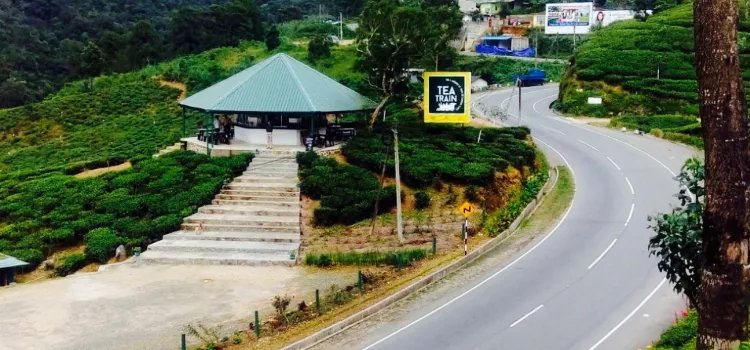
{"points": [[276, 221], [290, 180], [249, 210], [263, 187], [264, 173], [223, 246], [257, 192], [224, 227], [234, 236], [211, 258], [266, 203]]}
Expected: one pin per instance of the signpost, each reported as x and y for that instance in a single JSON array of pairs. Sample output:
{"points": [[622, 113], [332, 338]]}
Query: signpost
{"points": [[466, 209], [447, 97]]}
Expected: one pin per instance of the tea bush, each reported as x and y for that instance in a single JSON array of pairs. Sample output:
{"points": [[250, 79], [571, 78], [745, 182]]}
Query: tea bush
{"points": [[132, 207], [501, 219], [422, 199], [70, 263], [452, 154], [641, 67], [683, 129], [347, 193], [101, 244]]}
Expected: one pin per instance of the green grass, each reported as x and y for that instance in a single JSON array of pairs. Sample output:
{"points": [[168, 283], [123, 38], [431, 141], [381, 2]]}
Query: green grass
{"points": [[397, 258], [619, 63]]}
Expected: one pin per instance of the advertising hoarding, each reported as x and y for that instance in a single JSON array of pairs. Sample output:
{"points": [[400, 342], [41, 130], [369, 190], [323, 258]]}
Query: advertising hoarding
{"points": [[605, 18], [568, 18], [447, 97]]}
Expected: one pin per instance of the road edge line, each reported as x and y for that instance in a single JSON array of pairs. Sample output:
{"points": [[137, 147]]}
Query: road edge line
{"points": [[438, 275]]}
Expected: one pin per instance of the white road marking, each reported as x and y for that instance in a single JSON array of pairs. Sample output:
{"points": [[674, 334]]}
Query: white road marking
{"points": [[555, 130], [572, 202], [527, 315], [633, 147], [602, 255], [632, 191], [502, 104], [587, 144], [613, 163], [630, 216], [628, 316], [540, 100]]}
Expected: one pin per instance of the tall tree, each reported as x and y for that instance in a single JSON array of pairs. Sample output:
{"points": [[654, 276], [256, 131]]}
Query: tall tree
{"points": [[272, 38], [722, 303], [144, 45], [387, 40], [92, 62]]}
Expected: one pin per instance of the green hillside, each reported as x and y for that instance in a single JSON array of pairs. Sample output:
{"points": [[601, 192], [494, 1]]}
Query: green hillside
{"points": [[128, 115], [620, 63]]}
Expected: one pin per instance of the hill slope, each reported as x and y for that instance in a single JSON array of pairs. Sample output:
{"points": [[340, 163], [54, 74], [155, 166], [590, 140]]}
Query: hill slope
{"points": [[640, 67]]}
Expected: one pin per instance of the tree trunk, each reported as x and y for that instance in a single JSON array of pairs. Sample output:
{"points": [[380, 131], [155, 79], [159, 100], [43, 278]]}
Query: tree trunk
{"points": [[722, 306], [377, 111]]}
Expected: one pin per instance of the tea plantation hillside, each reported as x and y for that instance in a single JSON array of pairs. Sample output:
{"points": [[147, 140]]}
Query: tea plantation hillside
{"points": [[129, 115], [640, 67]]}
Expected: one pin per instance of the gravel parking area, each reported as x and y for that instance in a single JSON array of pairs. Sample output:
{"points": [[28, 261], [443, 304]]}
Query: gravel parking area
{"points": [[136, 306]]}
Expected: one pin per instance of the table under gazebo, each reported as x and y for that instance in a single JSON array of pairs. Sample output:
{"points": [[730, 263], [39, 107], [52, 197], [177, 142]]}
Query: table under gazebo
{"points": [[301, 104]]}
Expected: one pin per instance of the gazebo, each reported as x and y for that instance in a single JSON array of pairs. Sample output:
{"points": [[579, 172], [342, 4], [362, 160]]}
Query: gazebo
{"points": [[8, 267], [293, 97]]}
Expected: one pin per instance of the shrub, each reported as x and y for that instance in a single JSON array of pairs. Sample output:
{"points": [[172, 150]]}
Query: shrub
{"points": [[347, 193], [422, 199], [680, 333], [101, 244], [70, 263], [398, 258], [471, 193], [657, 132]]}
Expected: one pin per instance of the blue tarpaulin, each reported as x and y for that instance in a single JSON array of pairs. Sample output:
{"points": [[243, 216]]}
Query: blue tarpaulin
{"points": [[494, 50]]}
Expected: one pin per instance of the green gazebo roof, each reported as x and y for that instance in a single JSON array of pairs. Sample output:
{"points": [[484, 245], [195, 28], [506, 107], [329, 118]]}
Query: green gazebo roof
{"points": [[279, 84], [7, 261]]}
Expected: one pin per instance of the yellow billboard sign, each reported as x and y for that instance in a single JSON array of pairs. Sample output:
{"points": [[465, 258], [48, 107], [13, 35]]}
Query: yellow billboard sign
{"points": [[447, 97]]}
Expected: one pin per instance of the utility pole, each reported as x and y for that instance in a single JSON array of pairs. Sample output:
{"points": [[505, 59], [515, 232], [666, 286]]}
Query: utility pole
{"points": [[518, 82], [574, 34], [400, 227], [536, 50], [341, 26]]}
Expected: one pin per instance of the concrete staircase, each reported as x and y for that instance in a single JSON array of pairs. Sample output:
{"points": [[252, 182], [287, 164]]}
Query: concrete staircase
{"points": [[172, 148], [254, 220]]}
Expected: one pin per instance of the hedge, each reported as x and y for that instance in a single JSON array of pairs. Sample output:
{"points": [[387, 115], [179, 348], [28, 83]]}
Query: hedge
{"points": [[347, 193]]}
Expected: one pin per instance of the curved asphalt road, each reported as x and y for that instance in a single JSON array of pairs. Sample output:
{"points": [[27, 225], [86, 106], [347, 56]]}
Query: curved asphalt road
{"points": [[587, 284]]}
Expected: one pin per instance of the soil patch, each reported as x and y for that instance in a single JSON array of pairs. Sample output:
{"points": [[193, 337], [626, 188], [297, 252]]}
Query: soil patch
{"points": [[96, 172]]}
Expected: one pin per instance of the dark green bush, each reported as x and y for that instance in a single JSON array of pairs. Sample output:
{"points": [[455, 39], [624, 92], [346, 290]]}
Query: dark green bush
{"points": [[422, 199], [503, 218], [471, 193], [67, 264], [347, 193], [101, 244]]}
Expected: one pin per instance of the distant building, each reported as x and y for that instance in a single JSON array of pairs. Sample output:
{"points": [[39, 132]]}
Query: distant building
{"points": [[478, 84], [8, 268], [492, 7]]}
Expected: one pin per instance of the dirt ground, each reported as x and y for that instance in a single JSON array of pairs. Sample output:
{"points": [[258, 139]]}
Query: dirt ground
{"points": [[137, 306], [96, 172]]}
